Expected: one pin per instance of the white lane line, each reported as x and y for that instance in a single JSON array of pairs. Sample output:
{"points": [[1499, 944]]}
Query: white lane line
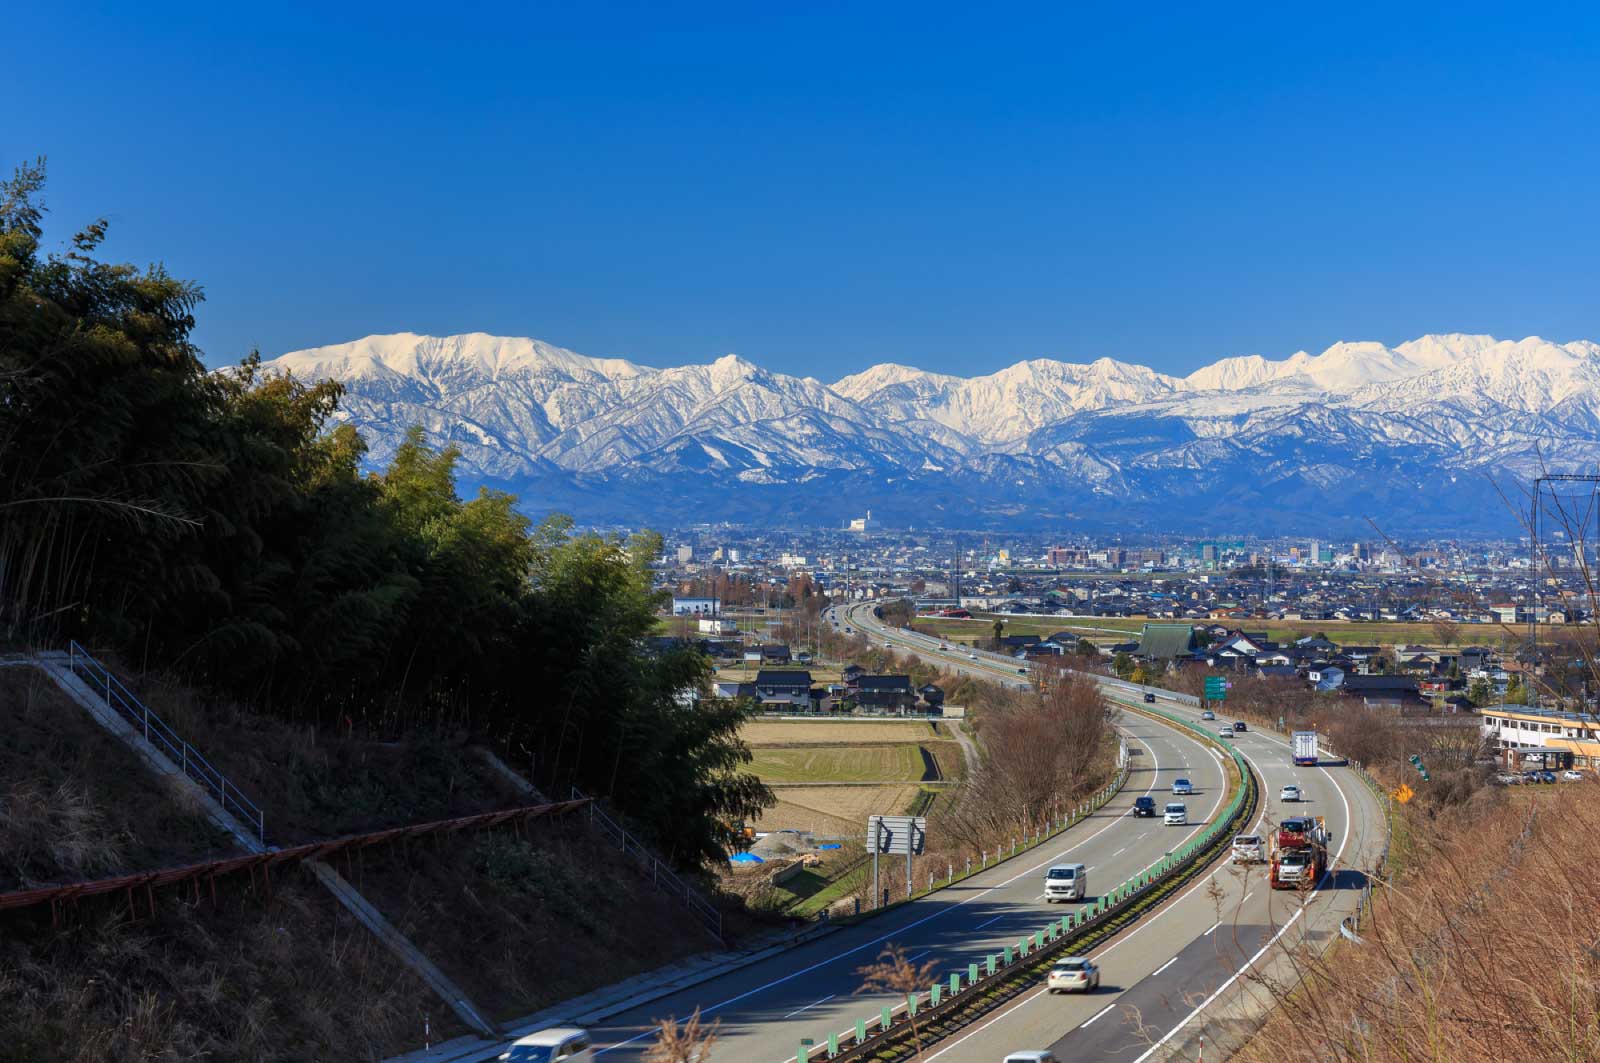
{"points": [[1234, 977], [1246, 897], [1213, 927], [1156, 768], [919, 955], [1163, 967], [1098, 1015], [1120, 851], [996, 919], [811, 1005]]}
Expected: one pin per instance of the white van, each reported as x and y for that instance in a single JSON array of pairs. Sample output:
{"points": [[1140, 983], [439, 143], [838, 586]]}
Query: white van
{"points": [[1036, 1056], [1177, 814], [560, 1044], [1066, 882]]}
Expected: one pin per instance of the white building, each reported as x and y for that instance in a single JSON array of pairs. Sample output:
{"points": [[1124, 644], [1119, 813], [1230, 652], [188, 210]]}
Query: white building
{"points": [[696, 606], [713, 625]]}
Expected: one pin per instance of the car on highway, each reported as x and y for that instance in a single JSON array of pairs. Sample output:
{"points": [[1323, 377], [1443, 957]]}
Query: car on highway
{"points": [[1290, 793], [1238, 725], [559, 1044], [1022, 671], [1226, 732], [1073, 974], [1182, 787], [972, 656], [1248, 849], [1149, 699], [1066, 882], [1176, 814], [1144, 806], [1208, 715], [1571, 776], [1032, 1055]]}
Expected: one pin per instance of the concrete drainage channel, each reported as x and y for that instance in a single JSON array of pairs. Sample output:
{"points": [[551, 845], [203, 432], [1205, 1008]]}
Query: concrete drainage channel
{"points": [[997, 978]]}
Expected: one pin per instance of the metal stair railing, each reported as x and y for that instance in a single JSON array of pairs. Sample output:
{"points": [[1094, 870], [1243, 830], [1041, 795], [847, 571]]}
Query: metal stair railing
{"points": [[665, 879], [162, 737]]}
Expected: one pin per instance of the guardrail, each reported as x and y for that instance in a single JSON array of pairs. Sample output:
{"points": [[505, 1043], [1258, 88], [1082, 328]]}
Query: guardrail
{"points": [[664, 878], [873, 1036], [163, 738]]}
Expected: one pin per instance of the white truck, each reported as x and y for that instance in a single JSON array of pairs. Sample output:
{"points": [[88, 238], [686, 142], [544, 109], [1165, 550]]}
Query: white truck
{"points": [[1305, 749], [1066, 882]]}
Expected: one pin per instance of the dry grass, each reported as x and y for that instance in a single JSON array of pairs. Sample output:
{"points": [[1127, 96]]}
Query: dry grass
{"points": [[1486, 949], [875, 763], [295, 978], [823, 732], [316, 785], [74, 802], [835, 810], [525, 921]]}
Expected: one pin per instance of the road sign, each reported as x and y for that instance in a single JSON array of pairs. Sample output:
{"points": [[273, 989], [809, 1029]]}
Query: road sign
{"points": [[900, 835], [1403, 794]]}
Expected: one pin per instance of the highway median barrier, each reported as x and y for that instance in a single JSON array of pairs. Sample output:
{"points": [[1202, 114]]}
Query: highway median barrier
{"points": [[1101, 919]]}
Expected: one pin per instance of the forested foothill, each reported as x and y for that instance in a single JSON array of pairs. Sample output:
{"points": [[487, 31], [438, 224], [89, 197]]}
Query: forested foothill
{"points": [[220, 527]]}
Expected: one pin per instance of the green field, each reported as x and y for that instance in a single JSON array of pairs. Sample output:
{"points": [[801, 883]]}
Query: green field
{"points": [[887, 762]]}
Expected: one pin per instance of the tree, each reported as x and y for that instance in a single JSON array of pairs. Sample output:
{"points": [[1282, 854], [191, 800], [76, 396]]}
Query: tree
{"points": [[1122, 664], [1446, 632], [1480, 693], [894, 973]]}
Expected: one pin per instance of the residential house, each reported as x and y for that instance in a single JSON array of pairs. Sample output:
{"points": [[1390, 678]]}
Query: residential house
{"points": [[885, 694], [780, 689]]}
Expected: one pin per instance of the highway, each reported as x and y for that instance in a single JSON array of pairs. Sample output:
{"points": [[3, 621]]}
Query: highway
{"points": [[1200, 966], [767, 1008]]}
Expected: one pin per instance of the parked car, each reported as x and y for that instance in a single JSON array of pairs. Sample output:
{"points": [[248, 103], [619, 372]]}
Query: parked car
{"points": [[1144, 806], [559, 1044], [1571, 776], [1182, 786], [1238, 725], [1248, 849], [1149, 699], [1508, 778], [1290, 793], [1208, 715], [1176, 814], [1546, 776], [1073, 974]]}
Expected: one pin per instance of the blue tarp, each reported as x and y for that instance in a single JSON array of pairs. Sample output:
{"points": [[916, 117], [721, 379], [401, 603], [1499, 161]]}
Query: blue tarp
{"points": [[831, 845], [745, 858]]}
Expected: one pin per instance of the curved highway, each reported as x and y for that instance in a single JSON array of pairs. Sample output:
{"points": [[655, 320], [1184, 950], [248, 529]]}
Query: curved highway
{"points": [[1201, 967], [812, 990]]}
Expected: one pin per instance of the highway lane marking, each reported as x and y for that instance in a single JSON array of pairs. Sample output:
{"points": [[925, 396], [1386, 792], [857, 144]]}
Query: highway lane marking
{"points": [[1120, 851], [707, 1010], [1121, 939], [1163, 967], [1234, 977], [919, 955], [1246, 897], [814, 1003], [1098, 1015], [1213, 927], [996, 919]]}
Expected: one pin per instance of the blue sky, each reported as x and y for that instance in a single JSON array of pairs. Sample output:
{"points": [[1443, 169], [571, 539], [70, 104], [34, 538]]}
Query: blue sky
{"points": [[837, 185]]}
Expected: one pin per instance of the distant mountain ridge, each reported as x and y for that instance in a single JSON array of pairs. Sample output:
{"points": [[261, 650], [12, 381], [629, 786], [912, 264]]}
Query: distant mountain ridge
{"points": [[1407, 436]]}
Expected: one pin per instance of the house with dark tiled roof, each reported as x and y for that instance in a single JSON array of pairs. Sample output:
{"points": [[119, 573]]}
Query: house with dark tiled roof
{"points": [[781, 688], [886, 694]]}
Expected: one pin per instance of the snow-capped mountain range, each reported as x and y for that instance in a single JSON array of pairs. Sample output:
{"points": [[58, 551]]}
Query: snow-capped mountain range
{"points": [[1413, 437]]}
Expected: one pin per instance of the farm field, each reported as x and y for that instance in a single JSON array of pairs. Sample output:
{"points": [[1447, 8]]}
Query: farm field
{"points": [[882, 762], [836, 811], [848, 732]]}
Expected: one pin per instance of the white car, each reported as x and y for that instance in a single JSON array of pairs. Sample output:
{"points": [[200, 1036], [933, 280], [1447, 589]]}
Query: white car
{"points": [[1183, 787], [1571, 776], [1034, 1055], [559, 1044], [972, 656], [1176, 815], [1247, 849], [1073, 974], [1290, 793]]}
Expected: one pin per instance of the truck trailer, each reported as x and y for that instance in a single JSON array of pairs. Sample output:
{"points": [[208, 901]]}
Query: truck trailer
{"points": [[1305, 749], [1299, 853]]}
